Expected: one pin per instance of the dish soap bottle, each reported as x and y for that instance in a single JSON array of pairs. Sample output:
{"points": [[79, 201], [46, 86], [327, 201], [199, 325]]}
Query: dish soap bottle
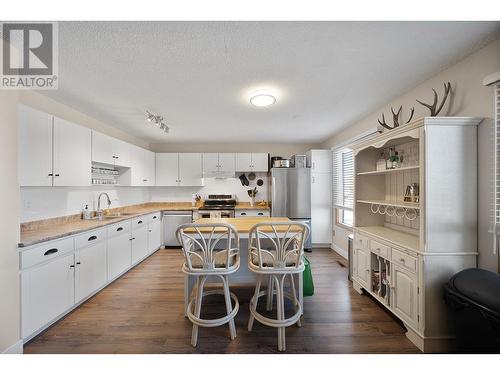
{"points": [[86, 213]]}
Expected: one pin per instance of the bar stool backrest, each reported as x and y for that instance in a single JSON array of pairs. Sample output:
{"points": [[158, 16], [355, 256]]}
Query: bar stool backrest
{"points": [[277, 245], [208, 246]]}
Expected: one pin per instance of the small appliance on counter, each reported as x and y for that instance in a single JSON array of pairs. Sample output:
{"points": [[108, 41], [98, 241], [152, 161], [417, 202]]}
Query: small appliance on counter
{"points": [[279, 162]]}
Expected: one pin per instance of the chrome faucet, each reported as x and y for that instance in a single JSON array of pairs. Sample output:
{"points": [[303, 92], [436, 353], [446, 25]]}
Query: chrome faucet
{"points": [[99, 212]]}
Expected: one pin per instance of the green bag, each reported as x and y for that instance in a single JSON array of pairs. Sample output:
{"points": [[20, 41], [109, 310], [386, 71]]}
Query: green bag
{"points": [[308, 284]]}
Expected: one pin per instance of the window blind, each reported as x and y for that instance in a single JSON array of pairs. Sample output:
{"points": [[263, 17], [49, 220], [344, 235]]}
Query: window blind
{"points": [[343, 178], [496, 181]]}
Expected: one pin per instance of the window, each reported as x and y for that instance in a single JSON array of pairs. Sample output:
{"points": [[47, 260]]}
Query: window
{"points": [[343, 186]]}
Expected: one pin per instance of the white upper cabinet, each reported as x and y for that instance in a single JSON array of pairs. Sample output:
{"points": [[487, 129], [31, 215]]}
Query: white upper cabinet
{"points": [[167, 169], [142, 166], [35, 147], [174, 169], [109, 150], [52, 151], [252, 162], [217, 164], [72, 154], [190, 169], [320, 161]]}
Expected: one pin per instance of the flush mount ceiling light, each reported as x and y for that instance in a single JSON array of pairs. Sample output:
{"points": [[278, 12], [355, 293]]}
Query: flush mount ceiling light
{"points": [[262, 98], [157, 120]]}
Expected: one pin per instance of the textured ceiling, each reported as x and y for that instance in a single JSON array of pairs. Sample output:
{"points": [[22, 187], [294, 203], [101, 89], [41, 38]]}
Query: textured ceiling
{"points": [[198, 74]]}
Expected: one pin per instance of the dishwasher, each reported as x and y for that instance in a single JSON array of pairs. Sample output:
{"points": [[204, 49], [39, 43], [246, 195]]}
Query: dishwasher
{"points": [[170, 221]]}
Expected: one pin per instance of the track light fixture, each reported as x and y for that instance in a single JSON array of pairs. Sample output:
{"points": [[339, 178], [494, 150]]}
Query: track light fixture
{"points": [[157, 120]]}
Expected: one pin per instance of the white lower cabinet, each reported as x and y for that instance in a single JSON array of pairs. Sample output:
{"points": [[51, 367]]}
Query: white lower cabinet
{"points": [[154, 235], [47, 292], [90, 270], [139, 243], [252, 213], [361, 267], [405, 294], [119, 253]]}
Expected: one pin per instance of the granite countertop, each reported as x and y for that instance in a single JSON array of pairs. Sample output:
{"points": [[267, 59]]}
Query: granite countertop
{"points": [[39, 231], [247, 206], [50, 229]]}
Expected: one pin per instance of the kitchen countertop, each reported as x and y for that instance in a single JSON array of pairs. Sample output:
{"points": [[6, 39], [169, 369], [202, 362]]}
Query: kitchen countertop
{"points": [[39, 231]]}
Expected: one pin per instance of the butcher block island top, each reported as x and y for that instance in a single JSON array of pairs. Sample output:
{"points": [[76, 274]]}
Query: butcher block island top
{"points": [[241, 224]]}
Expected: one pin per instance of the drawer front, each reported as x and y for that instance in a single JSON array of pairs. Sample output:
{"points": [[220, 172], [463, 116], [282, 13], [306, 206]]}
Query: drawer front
{"points": [[380, 249], [154, 217], [404, 260], [90, 238], [252, 213], [360, 240], [46, 252], [119, 228], [139, 221]]}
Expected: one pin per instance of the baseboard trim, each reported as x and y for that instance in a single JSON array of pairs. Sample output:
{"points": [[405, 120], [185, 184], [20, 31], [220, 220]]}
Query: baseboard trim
{"points": [[339, 250], [17, 348]]}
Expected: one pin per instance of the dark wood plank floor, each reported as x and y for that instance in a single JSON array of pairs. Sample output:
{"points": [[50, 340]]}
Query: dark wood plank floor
{"points": [[142, 312]]}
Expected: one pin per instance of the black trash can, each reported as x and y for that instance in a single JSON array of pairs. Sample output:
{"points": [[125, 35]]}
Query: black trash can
{"points": [[473, 297]]}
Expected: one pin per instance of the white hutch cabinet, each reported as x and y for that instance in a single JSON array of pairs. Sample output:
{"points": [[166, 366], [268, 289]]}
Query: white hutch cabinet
{"points": [[406, 249]]}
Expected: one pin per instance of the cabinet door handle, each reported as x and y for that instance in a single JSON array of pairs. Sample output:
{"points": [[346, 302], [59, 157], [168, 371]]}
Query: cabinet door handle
{"points": [[313, 165], [78, 263], [150, 231], [51, 174], [72, 266], [260, 214], [154, 217], [139, 222], [133, 238], [92, 238], [243, 214], [56, 175], [51, 251], [119, 229]]}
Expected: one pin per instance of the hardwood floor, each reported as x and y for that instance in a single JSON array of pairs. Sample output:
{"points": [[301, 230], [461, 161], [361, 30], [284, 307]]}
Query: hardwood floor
{"points": [[142, 312]]}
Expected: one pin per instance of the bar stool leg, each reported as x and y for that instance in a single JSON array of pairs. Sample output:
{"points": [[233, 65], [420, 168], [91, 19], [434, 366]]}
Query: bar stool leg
{"points": [[270, 292], [295, 299], [255, 299], [280, 300], [229, 307], [197, 308]]}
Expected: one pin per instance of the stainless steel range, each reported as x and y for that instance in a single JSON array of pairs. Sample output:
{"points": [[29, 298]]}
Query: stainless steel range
{"points": [[217, 206]]}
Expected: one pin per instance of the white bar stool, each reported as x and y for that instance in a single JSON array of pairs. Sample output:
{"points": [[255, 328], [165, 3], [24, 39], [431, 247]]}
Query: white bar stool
{"points": [[210, 250], [275, 251]]}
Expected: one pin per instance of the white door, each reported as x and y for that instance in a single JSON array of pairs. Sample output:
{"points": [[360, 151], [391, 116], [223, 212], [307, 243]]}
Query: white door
{"points": [[47, 292], [167, 166], [361, 268], [321, 217], [243, 162], [119, 254], [260, 162], [139, 243], [210, 164], [154, 236], [227, 163], [34, 147], [72, 154], [404, 299], [190, 169], [90, 268], [102, 148]]}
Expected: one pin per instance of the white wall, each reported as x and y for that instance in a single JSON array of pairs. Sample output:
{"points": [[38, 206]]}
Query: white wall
{"points": [[470, 98], [275, 149], [47, 202], [213, 186], [9, 223]]}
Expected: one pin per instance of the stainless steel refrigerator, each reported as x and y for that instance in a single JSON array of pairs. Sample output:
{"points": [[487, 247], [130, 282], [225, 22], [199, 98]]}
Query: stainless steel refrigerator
{"points": [[291, 195]]}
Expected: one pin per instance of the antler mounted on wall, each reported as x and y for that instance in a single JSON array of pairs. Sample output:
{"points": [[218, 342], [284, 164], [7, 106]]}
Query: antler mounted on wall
{"points": [[433, 107], [395, 118]]}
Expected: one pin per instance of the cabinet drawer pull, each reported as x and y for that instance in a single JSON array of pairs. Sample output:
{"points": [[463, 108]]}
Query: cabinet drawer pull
{"points": [[243, 213], [139, 222], [260, 214], [78, 263], [72, 266], [92, 238], [56, 175], [154, 217], [51, 251], [50, 174], [119, 229], [133, 238]]}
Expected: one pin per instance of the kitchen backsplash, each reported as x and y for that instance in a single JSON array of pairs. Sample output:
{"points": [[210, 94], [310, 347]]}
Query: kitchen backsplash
{"points": [[46, 202]]}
